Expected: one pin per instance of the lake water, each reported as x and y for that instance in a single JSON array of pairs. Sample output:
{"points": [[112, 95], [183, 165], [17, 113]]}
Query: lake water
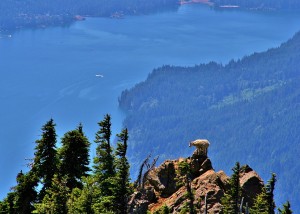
{"points": [[52, 72]]}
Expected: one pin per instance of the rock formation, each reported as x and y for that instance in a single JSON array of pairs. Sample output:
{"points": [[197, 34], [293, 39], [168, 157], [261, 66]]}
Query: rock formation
{"points": [[163, 186]]}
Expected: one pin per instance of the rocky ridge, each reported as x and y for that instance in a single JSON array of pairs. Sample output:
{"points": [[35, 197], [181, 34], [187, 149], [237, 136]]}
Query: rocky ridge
{"points": [[163, 186]]}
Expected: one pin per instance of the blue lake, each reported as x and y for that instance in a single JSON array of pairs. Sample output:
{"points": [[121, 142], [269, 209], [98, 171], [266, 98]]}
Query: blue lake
{"points": [[52, 72]]}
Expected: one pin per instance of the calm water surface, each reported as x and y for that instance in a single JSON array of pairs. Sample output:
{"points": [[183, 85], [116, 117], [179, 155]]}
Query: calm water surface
{"points": [[52, 72]]}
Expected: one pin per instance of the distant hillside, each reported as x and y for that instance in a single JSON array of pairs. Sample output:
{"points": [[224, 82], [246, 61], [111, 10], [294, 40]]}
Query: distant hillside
{"points": [[249, 109], [17, 14]]}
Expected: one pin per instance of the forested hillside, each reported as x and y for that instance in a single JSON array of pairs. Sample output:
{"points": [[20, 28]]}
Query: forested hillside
{"points": [[16, 14], [249, 109]]}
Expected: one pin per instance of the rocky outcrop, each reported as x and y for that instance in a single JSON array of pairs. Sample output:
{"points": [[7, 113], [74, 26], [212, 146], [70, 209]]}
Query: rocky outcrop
{"points": [[140, 200], [251, 184], [164, 186]]}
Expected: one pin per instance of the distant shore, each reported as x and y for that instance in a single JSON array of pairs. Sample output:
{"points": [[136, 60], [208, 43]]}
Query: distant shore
{"points": [[207, 2], [16, 15], [182, 2]]}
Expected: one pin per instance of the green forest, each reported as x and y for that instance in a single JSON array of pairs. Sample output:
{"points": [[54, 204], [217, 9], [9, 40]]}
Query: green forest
{"points": [[60, 179], [17, 14], [248, 109]]}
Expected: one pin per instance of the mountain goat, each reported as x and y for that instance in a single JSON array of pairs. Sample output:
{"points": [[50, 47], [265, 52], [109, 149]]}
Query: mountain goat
{"points": [[201, 145]]}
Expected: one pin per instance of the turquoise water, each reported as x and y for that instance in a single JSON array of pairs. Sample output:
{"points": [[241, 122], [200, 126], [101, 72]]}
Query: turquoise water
{"points": [[52, 72]]}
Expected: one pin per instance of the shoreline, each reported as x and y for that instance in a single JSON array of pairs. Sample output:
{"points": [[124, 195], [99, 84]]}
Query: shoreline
{"points": [[207, 2]]}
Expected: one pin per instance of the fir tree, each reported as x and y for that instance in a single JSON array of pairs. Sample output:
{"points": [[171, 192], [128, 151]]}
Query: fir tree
{"points": [[45, 160], [270, 192], [25, 193], [7, 205], [55, 200], [82, 200], [122, 189], [264, 202], [261, 205], [231, 199], [104, 166], [74, 157], [286, 209]]}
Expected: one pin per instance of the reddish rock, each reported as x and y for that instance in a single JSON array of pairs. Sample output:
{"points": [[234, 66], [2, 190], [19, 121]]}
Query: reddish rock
{"points": [[251, 184], [162, 186]]}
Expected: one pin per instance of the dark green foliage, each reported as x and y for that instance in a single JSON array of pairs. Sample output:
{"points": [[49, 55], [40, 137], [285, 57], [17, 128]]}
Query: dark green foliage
{"points": [[103, 162], [286, 209], [232, 196], [248, 109], [261, 205], [55, 200], [81, 200], [184, 169], [122, 190], [74, 157], [7, 205], [270, 193], [104, 166], [35, 13], [45, 161], [25, 193], [70, 193], [4, 207], [72, 190], [264, 202]]}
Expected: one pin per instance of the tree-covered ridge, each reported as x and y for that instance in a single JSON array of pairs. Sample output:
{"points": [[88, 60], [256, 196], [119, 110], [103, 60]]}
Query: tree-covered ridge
{"points": [[249, 108], [76, 189], [261, 4], [16, 14]]}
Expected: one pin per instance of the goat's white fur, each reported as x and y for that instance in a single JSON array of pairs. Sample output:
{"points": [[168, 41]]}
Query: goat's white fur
{"points": [[201, 145]]}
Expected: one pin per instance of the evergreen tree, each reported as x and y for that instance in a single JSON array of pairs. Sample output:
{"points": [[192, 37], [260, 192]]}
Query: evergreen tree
{"points": [[82, 200], [264, 202], [55, 200], [4, 208], [45, 160], [270, 192], [74, 157], [231, 199], [122, 189], [25, 193], [261, 205], [184, 169], [104, 167], [7, 205], [286, 209]]}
